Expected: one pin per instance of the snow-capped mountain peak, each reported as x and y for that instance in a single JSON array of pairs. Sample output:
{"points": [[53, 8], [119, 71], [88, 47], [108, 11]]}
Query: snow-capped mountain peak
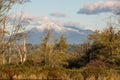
{"points": [[46, 23], [73, 33]]}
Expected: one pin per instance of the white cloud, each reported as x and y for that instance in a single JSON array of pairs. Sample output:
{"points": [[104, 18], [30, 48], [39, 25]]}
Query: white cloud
{"points": [[58, 14], [29, 20], [25, 18], [112, 6]]}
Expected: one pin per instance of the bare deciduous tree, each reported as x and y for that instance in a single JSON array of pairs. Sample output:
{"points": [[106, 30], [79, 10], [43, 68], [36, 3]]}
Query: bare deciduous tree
{"points": [[6, 45]]}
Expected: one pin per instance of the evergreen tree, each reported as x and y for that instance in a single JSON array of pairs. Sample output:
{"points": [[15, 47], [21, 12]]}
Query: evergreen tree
{"points": [[54, 54], [62, 44], [105, 45]]}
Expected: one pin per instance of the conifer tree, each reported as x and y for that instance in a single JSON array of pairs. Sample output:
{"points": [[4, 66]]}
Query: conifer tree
{"points": [[105, 45]]}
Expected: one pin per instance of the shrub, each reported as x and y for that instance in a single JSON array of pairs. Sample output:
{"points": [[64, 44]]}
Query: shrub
{"points": [[96, 63], [54, 75], [94, 71]]}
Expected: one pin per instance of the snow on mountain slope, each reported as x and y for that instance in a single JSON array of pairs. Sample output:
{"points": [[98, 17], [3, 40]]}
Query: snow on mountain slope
{"points": [[73, 34], [41, 24]]}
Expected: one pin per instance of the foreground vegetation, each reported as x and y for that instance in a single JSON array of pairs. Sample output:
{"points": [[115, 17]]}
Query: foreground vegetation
{"points": [[57, 60], [30, 70]]}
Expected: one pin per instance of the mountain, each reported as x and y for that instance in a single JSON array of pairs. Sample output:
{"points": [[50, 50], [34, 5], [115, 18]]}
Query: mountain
{"points": [[73, 34]]}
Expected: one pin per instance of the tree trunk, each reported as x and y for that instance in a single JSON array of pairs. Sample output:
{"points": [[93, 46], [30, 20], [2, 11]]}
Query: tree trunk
{"points": [[25, 50], [3, 40], [3, 58], [9, 53], [19, 53]]}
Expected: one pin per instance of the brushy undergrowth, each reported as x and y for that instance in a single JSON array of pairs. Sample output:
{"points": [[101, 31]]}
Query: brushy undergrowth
{"points": [[24, 71]]}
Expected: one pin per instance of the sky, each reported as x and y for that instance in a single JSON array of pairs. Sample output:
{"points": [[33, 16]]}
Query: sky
{"points": [[91, 14]]}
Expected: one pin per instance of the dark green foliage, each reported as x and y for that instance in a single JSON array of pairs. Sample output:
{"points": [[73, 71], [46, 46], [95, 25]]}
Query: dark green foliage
{"points": [[105, 46], [76, 62]]}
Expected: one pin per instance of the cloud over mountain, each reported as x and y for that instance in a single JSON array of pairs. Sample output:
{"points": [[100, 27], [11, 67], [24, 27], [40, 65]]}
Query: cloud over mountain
{"points": [[30, 20], [72, 31], [25, 18], [58, 14], [74, 34], [112, 6]]}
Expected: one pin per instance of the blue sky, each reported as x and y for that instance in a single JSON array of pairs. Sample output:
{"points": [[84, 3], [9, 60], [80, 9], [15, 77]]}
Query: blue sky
{"points": [[88, 13]]}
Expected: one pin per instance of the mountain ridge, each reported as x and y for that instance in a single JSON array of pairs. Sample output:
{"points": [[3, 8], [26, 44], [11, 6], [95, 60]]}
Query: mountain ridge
{"points": [[75, 34]]}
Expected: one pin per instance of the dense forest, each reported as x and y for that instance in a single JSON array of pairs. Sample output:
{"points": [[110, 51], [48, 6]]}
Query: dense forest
{"points": [[55, 59]]}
